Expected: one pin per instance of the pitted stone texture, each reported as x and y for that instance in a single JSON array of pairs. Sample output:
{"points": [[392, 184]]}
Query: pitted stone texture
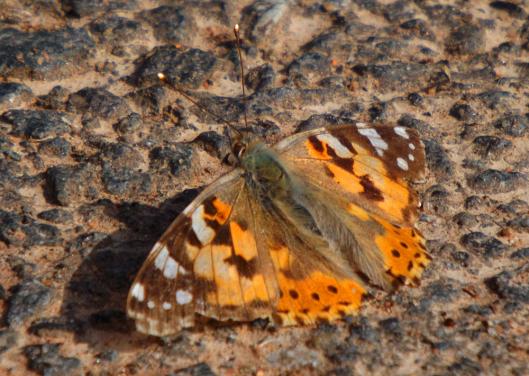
{"points": [[44, 54]]}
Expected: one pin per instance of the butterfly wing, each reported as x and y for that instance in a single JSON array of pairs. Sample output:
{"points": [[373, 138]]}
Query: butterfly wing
{"points": [[206, 262], [230, 257], [359, 180], [371, 164], [314, 286]]}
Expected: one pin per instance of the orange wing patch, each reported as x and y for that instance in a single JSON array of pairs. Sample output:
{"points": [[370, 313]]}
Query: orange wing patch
{"points": [[316, 297], [359, 172], [244, 258], [239, 290], [405, 255]]}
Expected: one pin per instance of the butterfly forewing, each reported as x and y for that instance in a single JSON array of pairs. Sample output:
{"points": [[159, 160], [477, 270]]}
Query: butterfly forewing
{"points": [[168, 289], [370, 164], [362, 174]]}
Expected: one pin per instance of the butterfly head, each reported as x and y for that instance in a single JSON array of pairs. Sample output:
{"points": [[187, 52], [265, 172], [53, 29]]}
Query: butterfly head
{"points": [[243, 142]]}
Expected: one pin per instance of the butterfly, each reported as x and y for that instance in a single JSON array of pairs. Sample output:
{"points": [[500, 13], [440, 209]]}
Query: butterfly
{"points": [[296, 233]]}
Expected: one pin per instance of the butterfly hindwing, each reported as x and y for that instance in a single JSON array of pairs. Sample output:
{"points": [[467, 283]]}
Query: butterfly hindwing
{"points": [[314, 286]]}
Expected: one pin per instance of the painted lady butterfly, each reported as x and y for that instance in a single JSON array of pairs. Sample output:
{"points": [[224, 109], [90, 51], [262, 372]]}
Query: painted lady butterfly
{"points": [[295, 233]]}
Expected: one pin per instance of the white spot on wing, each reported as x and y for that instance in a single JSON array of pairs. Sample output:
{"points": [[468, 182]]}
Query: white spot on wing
{"points": [[167, 306], [171, 268], [183, 297], [159, 262], [411, 146], [374, 138], [401, 131], [141, 327], [402, 164], [150, 304], [138, 291], [411, 157], [203, 232], [340, 149]]}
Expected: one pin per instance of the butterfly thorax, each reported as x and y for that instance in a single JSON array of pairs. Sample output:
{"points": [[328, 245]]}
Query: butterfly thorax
{"points": [[264, 172], [278, 189]]}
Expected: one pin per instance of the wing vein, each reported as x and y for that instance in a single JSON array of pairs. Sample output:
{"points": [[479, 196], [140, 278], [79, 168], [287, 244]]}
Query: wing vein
{"points": [[257, 241]]}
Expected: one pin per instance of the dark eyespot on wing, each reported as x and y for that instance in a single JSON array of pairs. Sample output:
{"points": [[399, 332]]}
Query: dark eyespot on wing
{"points": [[209, 208], [328, 172], [316, 144], [370, 190], [243, 224], [246, 268], [223, 237], [332, 289], [344, 163]]}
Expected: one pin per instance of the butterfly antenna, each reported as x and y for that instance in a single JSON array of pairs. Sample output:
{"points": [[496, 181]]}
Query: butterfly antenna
{"points": [[238, 42], [218, 118]]}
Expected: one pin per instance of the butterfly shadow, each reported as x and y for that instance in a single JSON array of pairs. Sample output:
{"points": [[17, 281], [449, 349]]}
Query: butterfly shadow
{"points": [[95, 297]]}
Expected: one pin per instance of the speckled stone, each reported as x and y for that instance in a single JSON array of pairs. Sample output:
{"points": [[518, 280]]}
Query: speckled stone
{"points": [[44, 54], [28, 299], [509, 286], [13, 94], [57, 147], [16, 229], [56, 216], [200, 369], [214, 143], [98, 157], [81, 8], [46, 360], [170, 24], [115, 30], [181, 67], [37, 124], [494, 181], [437, 159], [483, 244], [176, 159], [463, 112], [491, 146], [513, 124], [98, 102]]}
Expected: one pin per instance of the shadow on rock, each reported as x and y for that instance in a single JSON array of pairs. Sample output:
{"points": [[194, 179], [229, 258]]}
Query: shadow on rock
{"points": [[96, 295]]}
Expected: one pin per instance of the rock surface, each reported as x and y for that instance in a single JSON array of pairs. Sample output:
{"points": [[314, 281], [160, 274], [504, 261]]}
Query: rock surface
{"points": [[97, 158]]}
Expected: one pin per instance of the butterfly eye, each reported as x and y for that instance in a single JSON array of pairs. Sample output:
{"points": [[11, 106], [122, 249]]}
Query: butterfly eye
{"points": [[239, 149]]}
